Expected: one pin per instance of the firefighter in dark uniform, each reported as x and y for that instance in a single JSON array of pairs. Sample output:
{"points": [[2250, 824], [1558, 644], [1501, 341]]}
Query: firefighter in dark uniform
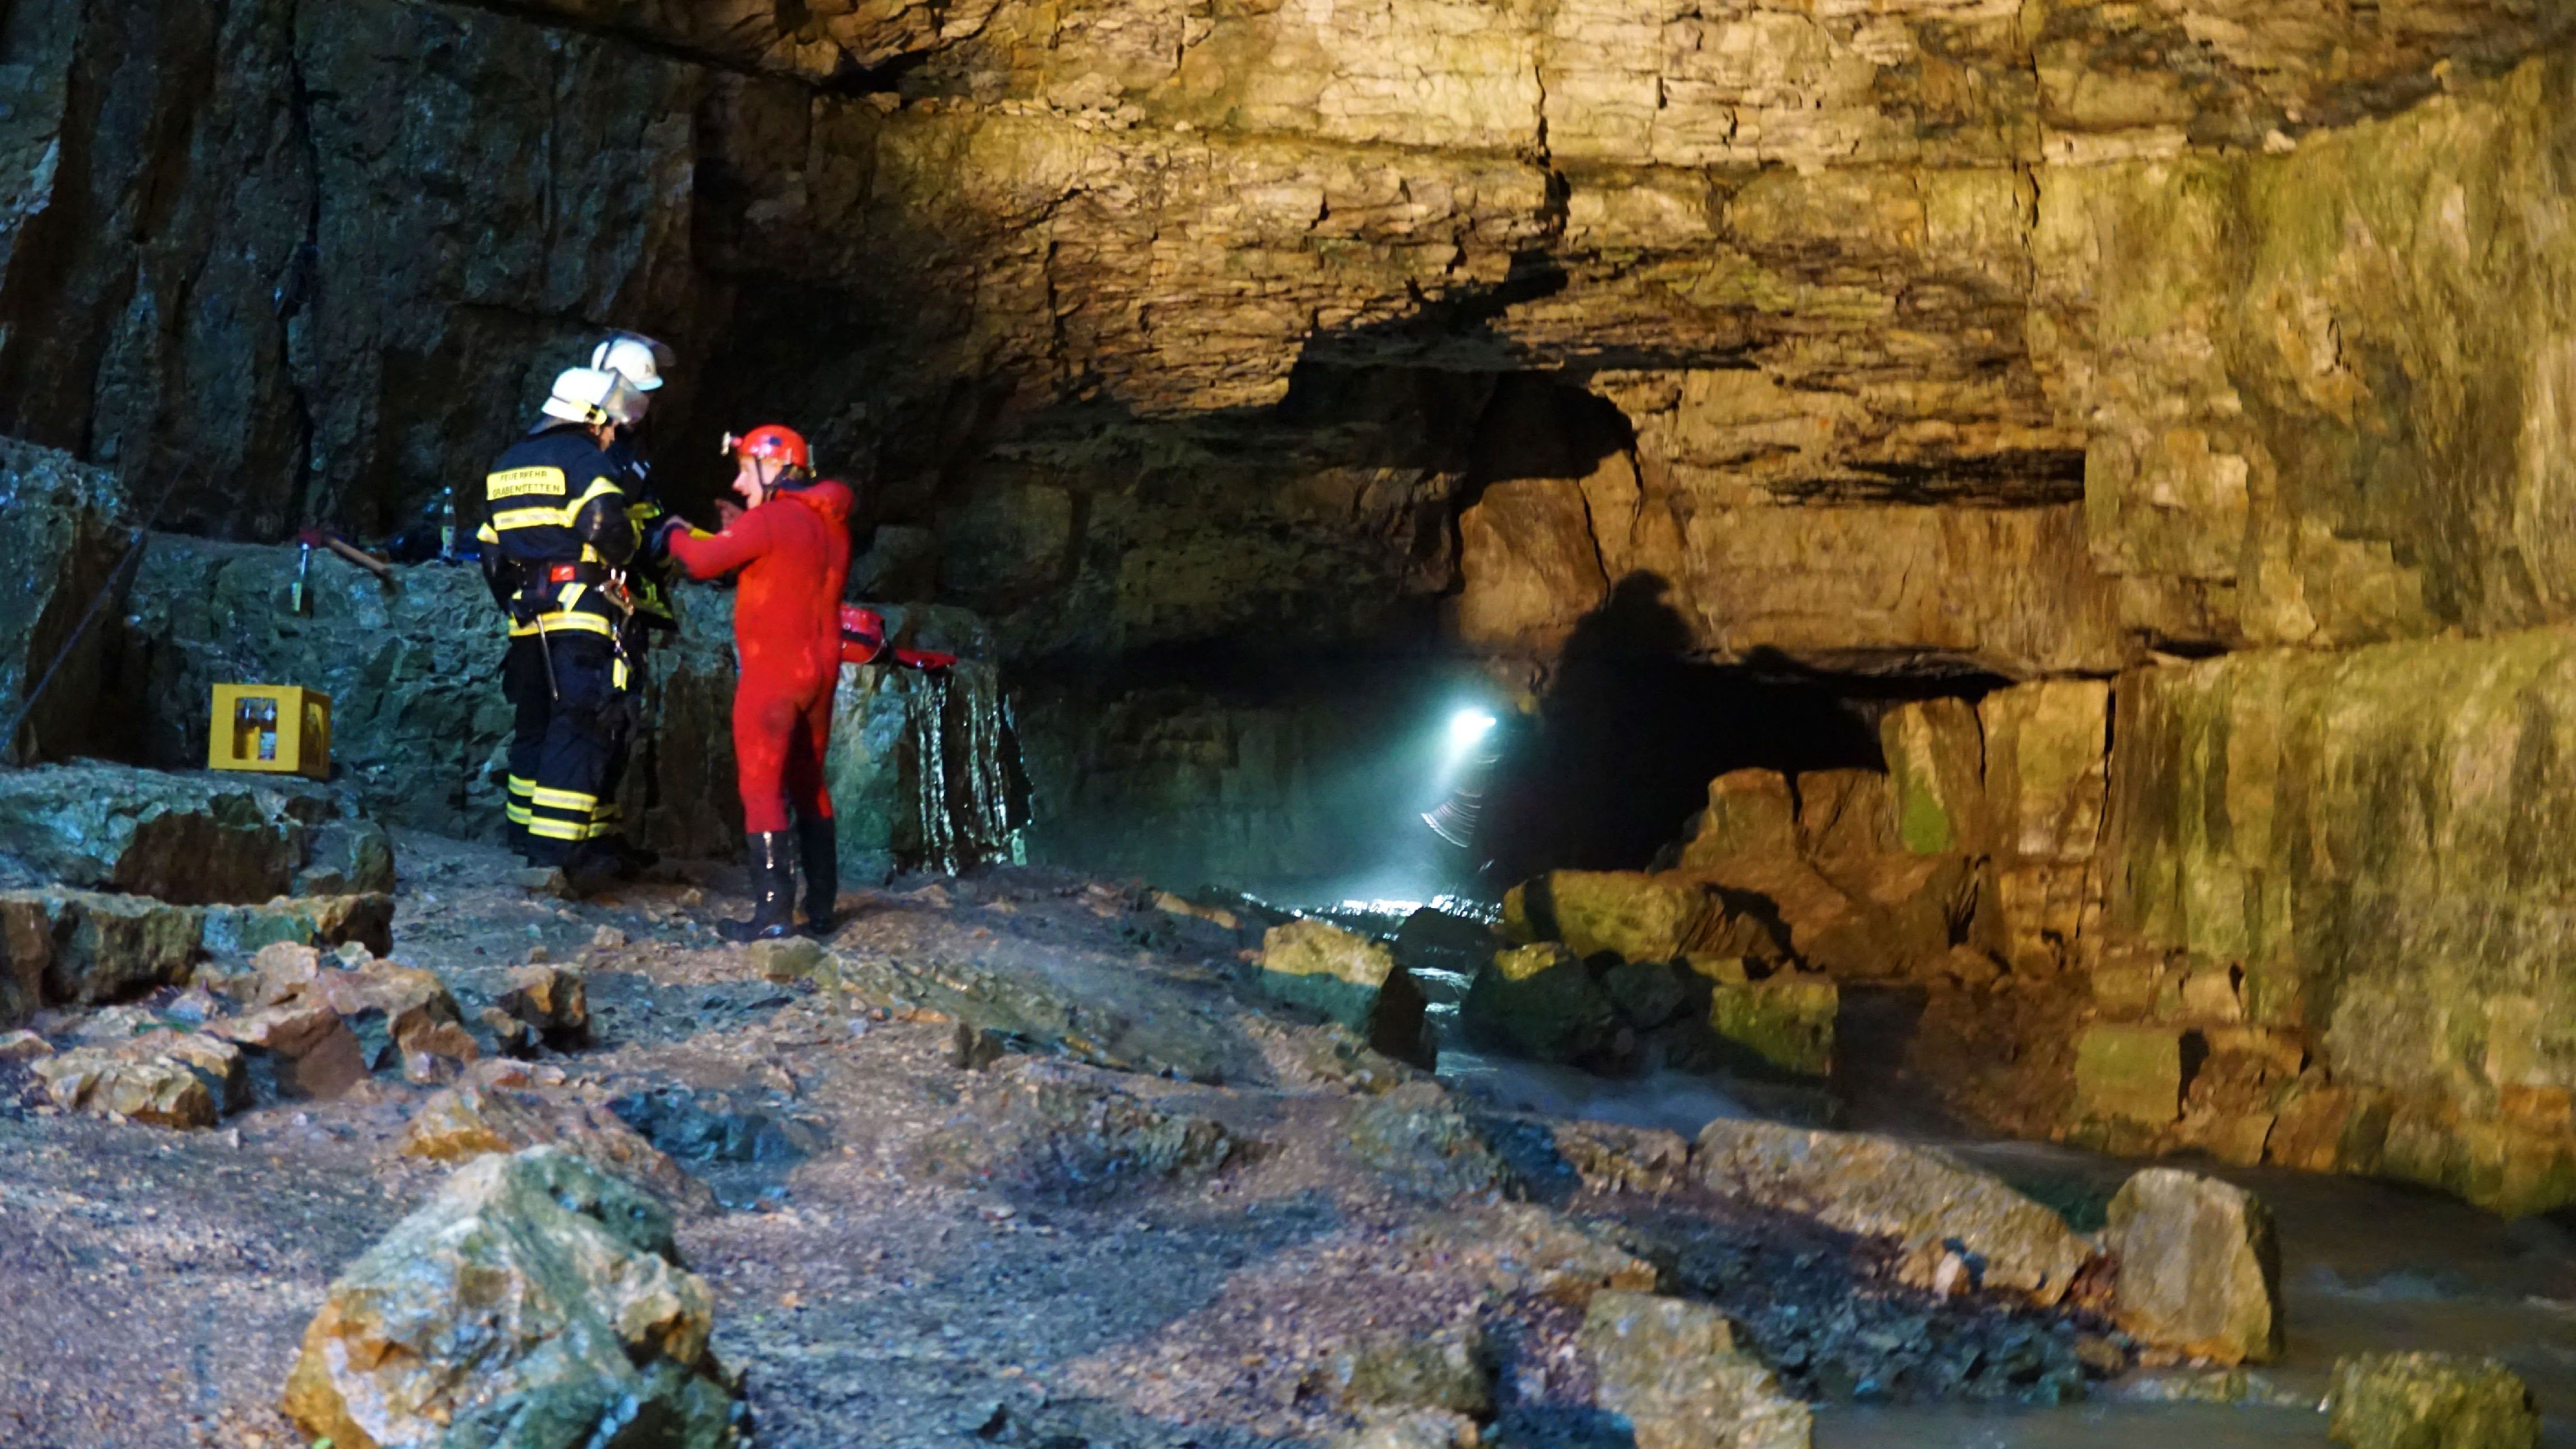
{"points": [[649, 578], [557, 542]]}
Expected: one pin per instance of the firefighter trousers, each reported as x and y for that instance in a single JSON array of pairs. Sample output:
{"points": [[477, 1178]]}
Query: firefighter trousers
{"points": [[568, 693]]}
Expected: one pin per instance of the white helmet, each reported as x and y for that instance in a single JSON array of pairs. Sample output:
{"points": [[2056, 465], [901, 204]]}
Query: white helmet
{"points": [[592, 396], [632, 355]]}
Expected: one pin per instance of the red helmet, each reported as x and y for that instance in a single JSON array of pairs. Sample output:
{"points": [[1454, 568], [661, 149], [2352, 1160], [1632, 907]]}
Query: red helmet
{"points": [[772, 443]]}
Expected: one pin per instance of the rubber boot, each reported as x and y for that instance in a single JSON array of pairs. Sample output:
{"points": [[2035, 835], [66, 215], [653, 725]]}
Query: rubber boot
{"points": [[773, 882], [820, 845]]}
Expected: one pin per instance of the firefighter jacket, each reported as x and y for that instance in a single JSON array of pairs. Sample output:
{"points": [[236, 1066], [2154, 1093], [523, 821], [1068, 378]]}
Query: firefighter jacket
{"points": [[558, 535]]}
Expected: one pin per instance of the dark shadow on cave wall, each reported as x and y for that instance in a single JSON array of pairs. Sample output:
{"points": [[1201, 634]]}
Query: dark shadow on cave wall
{"points": [[1630, 728]]}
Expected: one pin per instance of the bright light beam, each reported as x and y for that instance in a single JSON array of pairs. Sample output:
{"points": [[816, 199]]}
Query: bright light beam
{"points": [[1466, 728]]}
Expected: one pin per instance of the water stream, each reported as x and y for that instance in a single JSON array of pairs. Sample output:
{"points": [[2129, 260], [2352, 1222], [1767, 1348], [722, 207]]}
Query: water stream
{"points": [[2364, 1265]]}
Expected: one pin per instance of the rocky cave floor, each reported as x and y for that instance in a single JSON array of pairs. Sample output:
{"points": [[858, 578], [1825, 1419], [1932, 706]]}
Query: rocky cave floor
{"points": [[875, 1291]]}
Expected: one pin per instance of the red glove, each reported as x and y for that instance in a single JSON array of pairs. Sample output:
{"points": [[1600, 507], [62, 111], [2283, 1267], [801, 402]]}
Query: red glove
{"points": [[923, 659]]}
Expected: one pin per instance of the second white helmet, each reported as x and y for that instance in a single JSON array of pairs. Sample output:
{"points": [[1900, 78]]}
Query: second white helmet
{"points": [[592, 395], [632, 355]]}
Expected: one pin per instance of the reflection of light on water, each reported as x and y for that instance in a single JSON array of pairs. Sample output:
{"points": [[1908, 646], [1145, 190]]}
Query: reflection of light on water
{"points": [[1377, 908]]}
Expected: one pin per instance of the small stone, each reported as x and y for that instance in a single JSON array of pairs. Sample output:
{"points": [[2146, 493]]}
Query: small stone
{"points": [[607, 938], [1412, 1429], [23, 1046], [2429, 1401], [793, 958], [510, 1036], [538, 955], [553, 1001]]}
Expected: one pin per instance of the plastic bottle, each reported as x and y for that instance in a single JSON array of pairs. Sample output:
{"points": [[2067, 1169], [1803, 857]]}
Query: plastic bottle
{"points": [[447, 525]]}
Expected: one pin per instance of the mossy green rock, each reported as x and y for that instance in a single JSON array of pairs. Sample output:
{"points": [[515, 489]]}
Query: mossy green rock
{"points": [[2129, 1073], [1348, 978], [1634, 915], [1785, 1021], [2429, 1401], [2376, 838], [1936, 763], [536, 1302], [1540, 1001]]}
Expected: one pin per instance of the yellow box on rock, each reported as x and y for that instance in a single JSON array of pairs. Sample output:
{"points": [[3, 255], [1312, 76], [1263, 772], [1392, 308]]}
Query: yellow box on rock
{"points": [[280, 728]]}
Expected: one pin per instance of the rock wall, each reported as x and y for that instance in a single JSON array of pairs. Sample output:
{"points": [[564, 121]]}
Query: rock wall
{"points": [[1173, 326], [2353, 859]]}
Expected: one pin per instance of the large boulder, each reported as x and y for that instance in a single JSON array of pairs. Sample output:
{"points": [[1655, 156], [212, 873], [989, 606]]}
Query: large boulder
{"points": [[1750, 812], [67, 530], [1633, 915], [1541, 1001], [534, 1302], [2200, 1266], [84, 948], [1931, 1203], [2429, 1401], [928, 763], [1671, 1369], [1347, 977], [189, 838]]}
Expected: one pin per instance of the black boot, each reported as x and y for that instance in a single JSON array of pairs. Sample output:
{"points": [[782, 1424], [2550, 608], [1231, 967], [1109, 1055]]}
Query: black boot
{"points": [[821, 846], [773, 881]]}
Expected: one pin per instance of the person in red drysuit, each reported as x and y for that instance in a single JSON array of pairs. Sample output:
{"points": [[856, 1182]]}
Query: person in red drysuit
{"points": [[792, 544]]}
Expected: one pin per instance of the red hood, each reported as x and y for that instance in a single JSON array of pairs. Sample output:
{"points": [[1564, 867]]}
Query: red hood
{"points": [[829, 497]]}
